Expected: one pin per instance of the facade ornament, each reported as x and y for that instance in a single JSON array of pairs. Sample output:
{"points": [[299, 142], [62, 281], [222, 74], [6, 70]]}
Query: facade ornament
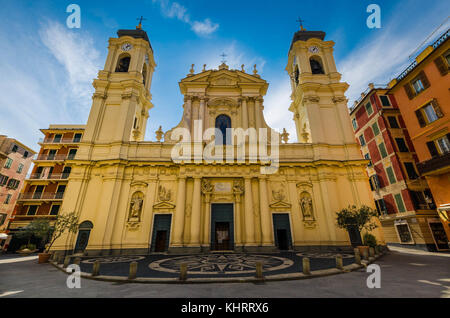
{"points": [[163, 194], [191, 71], [311, 99], [338, 99], [306, 204], [285, 136], [238, 187], [207, 186], [255, 71], [242, 68], [204, 68], [279, 195], [305, 134], [159, 133]]}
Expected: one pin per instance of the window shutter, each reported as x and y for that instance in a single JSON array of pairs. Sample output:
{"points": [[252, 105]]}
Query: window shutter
{"points": [[424, 80], [420, 118], [409, 91], [432, 148], [437, 109], [440, 64]]}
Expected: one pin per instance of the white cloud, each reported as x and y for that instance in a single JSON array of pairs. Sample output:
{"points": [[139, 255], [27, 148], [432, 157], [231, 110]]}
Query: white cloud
{"points": [[206, 27], [175, 10]]}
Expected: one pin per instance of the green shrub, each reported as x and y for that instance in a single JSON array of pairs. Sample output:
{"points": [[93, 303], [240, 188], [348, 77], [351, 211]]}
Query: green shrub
{"points": [[370, 240], [29, 246]]}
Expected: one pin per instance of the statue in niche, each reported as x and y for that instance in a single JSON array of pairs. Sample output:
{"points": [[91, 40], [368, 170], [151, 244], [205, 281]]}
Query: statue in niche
{"points": [[163, 194], [207, 186], [307, 206], [136, 204]]}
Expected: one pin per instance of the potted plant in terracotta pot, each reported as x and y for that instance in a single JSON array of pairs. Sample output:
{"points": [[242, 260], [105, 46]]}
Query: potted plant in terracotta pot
{"points": [[355, 220], [64, 222]]}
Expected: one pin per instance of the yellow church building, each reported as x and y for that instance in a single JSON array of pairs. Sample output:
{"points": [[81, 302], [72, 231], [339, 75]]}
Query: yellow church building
{"points": [[137, 197]]}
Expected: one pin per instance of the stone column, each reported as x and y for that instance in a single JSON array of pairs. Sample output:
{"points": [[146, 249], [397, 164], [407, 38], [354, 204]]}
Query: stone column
{"points": [[207, 219], [249, 217], [179, 213], [238, 219], [244, 110], [195, 216], [265, 214], [201, 114], [188, 111]]}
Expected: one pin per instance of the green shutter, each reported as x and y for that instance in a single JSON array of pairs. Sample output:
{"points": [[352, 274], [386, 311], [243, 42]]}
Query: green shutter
{"points": [[399, 201], [375, 128], [382, 150], [390, 174]]}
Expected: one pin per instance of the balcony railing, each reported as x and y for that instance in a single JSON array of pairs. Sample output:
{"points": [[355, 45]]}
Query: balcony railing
{"points": [[436, 163], [41, 196], [60, 141], [52, 157], [52, 176]]}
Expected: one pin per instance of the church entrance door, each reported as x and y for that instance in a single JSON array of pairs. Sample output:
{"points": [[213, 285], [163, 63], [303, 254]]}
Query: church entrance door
{"points": [[282, 231], [222, 227], [161, 233]]}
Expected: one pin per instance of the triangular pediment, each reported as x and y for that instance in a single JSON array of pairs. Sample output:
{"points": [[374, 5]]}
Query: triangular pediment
{"points": [[164, 205], [280, 205]]}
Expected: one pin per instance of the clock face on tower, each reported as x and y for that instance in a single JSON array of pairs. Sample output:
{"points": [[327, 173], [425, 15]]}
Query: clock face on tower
{"points": [[127, 47], [314, 49]]}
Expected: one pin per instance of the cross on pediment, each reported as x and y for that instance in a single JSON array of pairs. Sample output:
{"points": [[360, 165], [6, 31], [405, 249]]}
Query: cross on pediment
{"points": [[301, 24]]}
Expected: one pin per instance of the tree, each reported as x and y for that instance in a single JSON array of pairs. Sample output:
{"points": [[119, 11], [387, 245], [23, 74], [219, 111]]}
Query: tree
{"points": [[361, 218], [38, 228], [63, 222]]}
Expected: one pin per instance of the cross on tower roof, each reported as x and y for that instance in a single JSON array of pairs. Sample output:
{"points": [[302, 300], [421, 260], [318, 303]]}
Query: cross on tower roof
{"points": [[139, 27], [223, 55], [301, 24]]}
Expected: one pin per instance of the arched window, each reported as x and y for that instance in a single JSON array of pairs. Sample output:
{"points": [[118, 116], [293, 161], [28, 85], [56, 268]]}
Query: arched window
{"points": [[84, 231], [296, 74], [222, 123], [144, 73], [123, 64], [316, 65]]}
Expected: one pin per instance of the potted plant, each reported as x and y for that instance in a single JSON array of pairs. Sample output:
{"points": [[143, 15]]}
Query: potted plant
{"points": [[355, 220], [63, 223]]}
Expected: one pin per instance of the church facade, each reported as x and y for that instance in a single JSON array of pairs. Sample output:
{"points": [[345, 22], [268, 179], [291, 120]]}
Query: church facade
{"points": [[185, 194]]}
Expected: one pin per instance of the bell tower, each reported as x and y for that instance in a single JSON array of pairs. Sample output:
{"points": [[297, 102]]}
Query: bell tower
{"points": [[318, 101], [121, 100]]}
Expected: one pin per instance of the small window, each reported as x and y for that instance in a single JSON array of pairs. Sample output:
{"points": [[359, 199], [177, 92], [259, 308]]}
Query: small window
{"points": [[430, 113], [383, 151], [8, 198], [355, 124], [57, 138], [404, 233], [391, 175], [443, 145], [393, 123], [375, 129], [3, 180], [123, 64], [399, 201], [8, 163], [15, 148], [32, 209], [412, 174], [367, 156], [385, 100], [77, 137], [20, 168], [72, 153], [369, 108], [381, 207], [25, 154], [401, 145], [417, 85], [55, 209], [362, 140]]}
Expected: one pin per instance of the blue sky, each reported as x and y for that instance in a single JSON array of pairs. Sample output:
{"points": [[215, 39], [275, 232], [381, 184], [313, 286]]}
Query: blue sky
{"points": [[47, 69]]}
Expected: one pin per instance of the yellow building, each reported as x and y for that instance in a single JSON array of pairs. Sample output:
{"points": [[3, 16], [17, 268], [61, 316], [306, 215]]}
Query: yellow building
{"points": [[136, 196]]}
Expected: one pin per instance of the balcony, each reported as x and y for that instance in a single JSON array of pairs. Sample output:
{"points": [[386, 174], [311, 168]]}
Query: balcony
{"points": [[59, 141], [435, 166], [52, 157], [40, 196], [52, 176]]}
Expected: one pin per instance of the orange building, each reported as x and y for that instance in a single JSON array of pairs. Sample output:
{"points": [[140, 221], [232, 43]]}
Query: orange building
{"points": [[44, 188], [422, 94]]}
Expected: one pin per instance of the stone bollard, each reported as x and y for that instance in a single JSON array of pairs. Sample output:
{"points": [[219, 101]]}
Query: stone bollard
{"points": [[365, 254], [357, 256], [371, 252], [259, 270], [77, 261], [66, 261], [339, 263], [133, 270], [96, 268], [306, 266], [183, 271]]}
